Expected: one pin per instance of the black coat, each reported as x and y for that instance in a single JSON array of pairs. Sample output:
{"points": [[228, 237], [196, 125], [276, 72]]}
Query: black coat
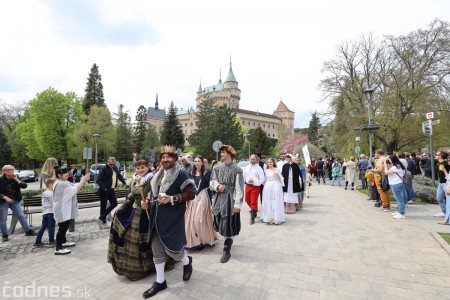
{"points": [[296, 177], [104, 178], [4, 182]]}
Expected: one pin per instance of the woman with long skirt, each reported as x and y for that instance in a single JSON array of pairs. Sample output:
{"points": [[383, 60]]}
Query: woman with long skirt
{"points": [[272, 209], [198, 217], [128, 251]]}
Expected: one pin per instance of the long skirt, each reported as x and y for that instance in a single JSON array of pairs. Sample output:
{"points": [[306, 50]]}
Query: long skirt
{"points": [[199, 222], [128, 250]]}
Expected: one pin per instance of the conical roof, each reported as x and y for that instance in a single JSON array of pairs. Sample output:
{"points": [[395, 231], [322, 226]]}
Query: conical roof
{"points": [[230, 76], [200, 88], [282, 107]]}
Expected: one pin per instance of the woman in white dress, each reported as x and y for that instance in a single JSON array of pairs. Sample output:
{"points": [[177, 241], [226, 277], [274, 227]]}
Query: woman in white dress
{"points": [[350, 172], [272, 210]]}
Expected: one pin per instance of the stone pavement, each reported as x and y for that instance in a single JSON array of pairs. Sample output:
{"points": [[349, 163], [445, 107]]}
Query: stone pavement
{"points": [[338, 247]]}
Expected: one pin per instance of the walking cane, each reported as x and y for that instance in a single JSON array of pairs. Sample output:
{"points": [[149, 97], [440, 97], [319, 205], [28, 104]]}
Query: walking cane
{"points": [[140, 187]]}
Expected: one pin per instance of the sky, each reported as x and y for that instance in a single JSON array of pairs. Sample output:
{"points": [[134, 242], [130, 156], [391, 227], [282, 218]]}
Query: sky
{"points": [[277, 48]]}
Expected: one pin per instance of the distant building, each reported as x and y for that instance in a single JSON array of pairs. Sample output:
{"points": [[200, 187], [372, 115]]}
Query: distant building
{"points": [[156, 116], [228, 93]]}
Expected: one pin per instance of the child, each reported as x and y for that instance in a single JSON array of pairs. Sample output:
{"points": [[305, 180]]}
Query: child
{"points": [[370, 183], [48, 222], [309, 178]]}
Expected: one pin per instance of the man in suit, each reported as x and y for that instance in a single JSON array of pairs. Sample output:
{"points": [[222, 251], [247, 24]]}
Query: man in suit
{"points": [[107, 182]]}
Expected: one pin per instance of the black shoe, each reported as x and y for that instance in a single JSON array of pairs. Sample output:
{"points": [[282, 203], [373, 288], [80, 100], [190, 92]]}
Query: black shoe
{"points": [[156, 287], [30, 233], [377, 205], [226, 250], [187, 270], [5, 238], [40, 244], [225, 257]]}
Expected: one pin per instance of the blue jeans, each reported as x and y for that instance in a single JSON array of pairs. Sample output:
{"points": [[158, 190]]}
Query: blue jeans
{"points": [[48, 222], [338, 178], [17, 210], [441, 196], [410, 192], [362, 177], [400, 195]]}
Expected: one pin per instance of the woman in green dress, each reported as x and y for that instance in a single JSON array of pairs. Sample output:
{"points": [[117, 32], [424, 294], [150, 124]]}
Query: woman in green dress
{"points": [[128, 251]]}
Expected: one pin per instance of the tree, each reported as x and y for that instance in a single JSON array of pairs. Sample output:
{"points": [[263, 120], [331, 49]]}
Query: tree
{"points": [[203, 137], [172, 131], [99, 121], [48, 121], [151, 142], [140, 128], [313, 129], [227, 129], [124, 132], [94, 90], [5, 157], [260, 142]]}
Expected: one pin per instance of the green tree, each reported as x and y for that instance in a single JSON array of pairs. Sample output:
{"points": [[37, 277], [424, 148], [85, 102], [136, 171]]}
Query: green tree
{"points": [[124, 133], [203, 137], [5, 157], [260, 142], [151, 142], [99, 121], [47, 123], [172, 131], [227, 129], [140, 128], [313, 129], [94, 90]]}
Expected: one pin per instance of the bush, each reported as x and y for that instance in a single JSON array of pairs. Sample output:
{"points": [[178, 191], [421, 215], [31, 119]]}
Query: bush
{"points": [[418, 179], [423, 187]]}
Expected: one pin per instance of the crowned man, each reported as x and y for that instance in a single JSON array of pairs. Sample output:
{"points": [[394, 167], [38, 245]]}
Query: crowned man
{"points": [[228, 183], [171, 189]]}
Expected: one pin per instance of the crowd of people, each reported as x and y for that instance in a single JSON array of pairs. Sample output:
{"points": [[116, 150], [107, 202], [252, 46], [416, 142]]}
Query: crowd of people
{"points": [[184, 203]]}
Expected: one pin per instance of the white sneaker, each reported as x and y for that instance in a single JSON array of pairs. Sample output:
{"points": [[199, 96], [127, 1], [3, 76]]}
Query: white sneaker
{"points": [[441, 214], [69, 244], [105, 226], [399, 216], [62, 252], [396, 213]]}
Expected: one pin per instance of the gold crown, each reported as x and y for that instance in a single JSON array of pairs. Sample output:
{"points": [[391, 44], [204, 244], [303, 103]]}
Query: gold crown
{"points": [[168, 149]]}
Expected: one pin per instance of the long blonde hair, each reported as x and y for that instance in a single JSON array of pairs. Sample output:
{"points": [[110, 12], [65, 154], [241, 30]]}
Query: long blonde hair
{"points": [[49, 166]]}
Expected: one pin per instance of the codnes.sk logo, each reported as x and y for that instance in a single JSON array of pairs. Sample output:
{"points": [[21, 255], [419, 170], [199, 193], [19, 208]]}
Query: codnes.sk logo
{"points": [[34, 290]]}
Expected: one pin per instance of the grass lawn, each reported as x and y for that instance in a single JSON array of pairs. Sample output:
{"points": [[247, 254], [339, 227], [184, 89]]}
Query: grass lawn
{"points": [[445, 236]]}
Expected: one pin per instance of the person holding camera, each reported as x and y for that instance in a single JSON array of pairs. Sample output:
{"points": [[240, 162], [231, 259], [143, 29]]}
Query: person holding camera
{"points": [[10, 197], [107, 182], [395, 171], [171, 189], [378, 171]]}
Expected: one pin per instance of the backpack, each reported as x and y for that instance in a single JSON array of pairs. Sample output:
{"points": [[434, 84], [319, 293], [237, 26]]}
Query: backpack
{"points": [[384, 184], [407, 178]]}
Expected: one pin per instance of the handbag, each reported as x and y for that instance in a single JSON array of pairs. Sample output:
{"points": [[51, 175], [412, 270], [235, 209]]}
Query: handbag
{"points": [[384, 183]]}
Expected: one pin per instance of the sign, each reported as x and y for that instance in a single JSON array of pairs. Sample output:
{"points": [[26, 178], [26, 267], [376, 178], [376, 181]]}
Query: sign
{"points": [[426, 127], [430, 115], [216, 145], [435, 122], [87, 153], [306, 155]]}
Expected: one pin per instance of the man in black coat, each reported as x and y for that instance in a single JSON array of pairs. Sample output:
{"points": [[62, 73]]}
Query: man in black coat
{"points": [[292, 184], [107, 182]]}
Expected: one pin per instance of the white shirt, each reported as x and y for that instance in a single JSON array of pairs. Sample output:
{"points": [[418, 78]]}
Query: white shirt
{"points": [[47, 202], [254, 172], [280, 165], [394, 178]]}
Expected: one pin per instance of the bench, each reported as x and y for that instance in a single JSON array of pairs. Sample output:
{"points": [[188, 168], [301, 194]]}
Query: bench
{"points": [[33, 205]]}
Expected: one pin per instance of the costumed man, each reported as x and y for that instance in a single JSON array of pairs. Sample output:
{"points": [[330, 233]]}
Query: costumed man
{"points": [[253, 178], [293, 184], [264, 167], [171, 189], [228, 183]]}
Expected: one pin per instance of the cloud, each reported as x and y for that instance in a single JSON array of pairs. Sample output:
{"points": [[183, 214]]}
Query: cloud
{"points": [[84, 22]]}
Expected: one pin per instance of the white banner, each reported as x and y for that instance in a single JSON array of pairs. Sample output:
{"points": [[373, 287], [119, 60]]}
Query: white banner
{"points": [[306, 156]]}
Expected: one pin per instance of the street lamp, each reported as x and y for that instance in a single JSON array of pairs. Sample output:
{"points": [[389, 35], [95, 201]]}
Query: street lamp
{"points": [[248, 139], [96, 137], [368, 94]]}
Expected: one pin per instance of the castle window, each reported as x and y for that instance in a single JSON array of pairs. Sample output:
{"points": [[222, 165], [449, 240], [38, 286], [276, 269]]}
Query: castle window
{"points": [[273, 135], [191, 124], [273, 126], [254, 124], [243, 122], [248, 123], [185, 124], [268, 134], [264, 125], [259, 125]]}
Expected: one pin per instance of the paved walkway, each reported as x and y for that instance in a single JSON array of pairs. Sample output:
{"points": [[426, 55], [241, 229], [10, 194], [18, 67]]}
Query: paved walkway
{"points": [[338, 247]]}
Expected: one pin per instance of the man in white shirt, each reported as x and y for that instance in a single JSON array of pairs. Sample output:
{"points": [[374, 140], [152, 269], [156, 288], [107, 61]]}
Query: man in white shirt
{"points": [[253, 178], [281, 162]]}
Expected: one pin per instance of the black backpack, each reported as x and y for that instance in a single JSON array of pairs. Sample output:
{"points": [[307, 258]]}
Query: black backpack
{"points": [[385, 183]]}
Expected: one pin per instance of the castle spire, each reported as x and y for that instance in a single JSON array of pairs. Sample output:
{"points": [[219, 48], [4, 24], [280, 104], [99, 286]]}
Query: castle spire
{"points": [[200, 88], [220, 75], [230, 76], [156, 102]]}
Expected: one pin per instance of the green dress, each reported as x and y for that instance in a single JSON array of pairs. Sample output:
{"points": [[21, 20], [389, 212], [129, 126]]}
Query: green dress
{"points": [[128, 251]]}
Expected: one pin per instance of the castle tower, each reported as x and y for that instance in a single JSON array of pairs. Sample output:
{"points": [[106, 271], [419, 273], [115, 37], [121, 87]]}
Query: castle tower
{"points": [[156, 102], [286, 116]]}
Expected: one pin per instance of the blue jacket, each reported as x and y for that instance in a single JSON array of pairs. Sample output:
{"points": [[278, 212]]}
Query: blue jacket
{"points": [[104, 178]]}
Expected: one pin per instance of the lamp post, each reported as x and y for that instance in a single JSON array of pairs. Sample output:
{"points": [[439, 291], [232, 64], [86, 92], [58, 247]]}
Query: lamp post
{"points": [[368, 94], [248, 139], [96, 137]]}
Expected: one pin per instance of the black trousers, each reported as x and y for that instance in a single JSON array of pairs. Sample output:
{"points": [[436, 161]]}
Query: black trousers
{"points": [[110, 195], [61, 235]]}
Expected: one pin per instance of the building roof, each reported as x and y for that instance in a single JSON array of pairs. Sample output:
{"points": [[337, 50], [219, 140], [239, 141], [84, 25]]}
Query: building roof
{"points": [[282, 107], [156, 113], [255, 113], [200, 88], [213, 88], [230, 76]]}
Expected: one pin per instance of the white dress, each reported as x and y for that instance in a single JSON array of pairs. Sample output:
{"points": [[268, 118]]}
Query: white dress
{"points": [[272, 209]]}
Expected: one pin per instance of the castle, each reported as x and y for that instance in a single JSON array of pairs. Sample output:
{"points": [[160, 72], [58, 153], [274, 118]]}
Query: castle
{"points": [[228, 93]]}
